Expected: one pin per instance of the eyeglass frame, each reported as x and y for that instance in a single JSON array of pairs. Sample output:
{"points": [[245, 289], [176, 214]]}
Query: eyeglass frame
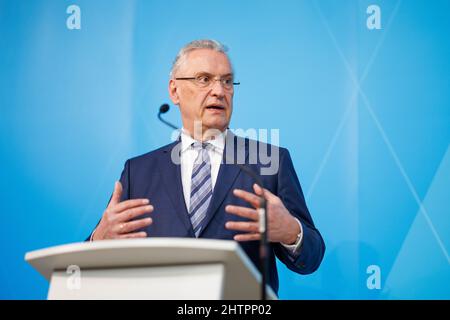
{"points": [[214, 78]]}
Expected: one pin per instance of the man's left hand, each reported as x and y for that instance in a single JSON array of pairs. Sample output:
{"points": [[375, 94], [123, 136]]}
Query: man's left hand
{"points": [[282, 226]]}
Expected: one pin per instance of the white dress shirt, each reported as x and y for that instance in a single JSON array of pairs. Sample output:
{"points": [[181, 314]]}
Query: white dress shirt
{"points": [[188, 156]]}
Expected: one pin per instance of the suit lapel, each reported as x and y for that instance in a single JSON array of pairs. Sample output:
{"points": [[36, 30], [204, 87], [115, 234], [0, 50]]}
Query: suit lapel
{"points": [[174, 185], [226, 176]]}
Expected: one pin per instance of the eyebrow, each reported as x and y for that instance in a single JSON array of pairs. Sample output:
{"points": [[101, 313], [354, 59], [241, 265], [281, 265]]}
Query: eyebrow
{"points": [[224, 75]]}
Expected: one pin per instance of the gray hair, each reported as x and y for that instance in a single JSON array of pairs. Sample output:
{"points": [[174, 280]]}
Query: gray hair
{"points": [[194, 45]]}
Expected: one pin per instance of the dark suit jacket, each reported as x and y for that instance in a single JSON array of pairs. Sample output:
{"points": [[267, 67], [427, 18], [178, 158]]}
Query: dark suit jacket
{"points": [[156, 177]]}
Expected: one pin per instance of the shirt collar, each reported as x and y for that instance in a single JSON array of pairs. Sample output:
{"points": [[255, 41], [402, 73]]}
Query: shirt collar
{"points": [[218, 141]]}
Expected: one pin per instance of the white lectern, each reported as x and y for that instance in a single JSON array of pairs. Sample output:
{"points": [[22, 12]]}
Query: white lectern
{"points": [[152, 268]]}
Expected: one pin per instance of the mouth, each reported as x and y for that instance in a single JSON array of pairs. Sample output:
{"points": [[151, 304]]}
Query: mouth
{"points": [[215, 107]]}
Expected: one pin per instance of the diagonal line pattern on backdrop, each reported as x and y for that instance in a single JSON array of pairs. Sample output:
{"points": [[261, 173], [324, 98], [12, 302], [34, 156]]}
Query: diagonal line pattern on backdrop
{"points": [[377, 123], [351, 105]]}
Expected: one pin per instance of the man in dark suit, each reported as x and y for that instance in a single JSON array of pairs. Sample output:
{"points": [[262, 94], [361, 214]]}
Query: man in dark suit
{"points": [[193, 187]]}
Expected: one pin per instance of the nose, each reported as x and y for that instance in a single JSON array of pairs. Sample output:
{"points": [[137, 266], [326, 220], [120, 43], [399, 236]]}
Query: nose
{"points": [[217, 89]]}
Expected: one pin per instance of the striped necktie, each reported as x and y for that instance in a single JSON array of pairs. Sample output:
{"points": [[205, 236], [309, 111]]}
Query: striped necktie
{"points": [[201, 187]]}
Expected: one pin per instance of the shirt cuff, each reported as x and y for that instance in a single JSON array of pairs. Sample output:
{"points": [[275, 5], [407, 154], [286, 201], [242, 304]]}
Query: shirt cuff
{"points": [[92, 235], [295, 248]]}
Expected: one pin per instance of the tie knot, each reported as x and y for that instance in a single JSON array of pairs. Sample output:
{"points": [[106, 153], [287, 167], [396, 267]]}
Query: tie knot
{"points": [[202, 149], [200, 145]]}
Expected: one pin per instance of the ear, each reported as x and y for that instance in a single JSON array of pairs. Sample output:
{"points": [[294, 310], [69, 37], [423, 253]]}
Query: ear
{"points": [[173, 94]]}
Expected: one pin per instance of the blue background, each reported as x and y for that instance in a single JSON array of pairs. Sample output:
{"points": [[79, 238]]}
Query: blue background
{"points": [[365, 114]]}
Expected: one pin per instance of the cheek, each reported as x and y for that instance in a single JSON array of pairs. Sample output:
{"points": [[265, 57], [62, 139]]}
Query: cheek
{"points": [[186, 98], [229, 97], [191, 102], [186, 94], [230, 103]]}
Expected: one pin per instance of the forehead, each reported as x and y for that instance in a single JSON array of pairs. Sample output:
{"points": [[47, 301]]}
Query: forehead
{"points": [[206, 60]]}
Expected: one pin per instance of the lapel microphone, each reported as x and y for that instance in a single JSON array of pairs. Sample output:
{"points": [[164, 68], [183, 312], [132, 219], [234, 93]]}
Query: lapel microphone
{"points": [[262, 210]]}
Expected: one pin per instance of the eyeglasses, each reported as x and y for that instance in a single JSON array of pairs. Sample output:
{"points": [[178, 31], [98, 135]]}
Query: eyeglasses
{"points": [[205, 80]]}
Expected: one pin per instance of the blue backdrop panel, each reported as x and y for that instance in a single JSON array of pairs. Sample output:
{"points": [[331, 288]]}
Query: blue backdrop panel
{"points": [[365, 113]]}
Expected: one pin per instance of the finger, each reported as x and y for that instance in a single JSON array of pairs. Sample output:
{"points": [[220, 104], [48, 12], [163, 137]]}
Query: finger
{"points": [[134, 235], [246, 226], [247, 237], [258, 190], [128, 204], [242, 212], [264, 192], [251, 198], [132, 213], [117, 194], [127, 227], [269, 195]]}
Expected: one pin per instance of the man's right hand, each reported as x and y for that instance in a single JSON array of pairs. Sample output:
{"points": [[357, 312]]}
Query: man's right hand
{"points": [[116, 220]]}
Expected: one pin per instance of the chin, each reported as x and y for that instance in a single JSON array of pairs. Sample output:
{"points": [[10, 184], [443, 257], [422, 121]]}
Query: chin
{"points": [[221, 124], [217, 126]]}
